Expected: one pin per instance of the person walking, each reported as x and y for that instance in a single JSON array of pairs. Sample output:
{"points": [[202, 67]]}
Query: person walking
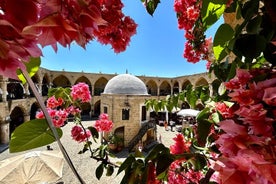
{"points": [[166, 125], [172, 124]]}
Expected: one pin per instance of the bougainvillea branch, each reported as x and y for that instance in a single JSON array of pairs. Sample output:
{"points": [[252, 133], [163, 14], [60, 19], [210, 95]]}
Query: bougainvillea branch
{"points": [[51, 126]]}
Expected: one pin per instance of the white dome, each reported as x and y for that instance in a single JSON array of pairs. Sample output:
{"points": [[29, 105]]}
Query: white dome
{"points": [[125, 84]]}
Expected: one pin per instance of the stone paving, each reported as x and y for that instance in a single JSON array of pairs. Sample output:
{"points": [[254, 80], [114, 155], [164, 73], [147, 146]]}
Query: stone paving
{"points": [[85, 165]]}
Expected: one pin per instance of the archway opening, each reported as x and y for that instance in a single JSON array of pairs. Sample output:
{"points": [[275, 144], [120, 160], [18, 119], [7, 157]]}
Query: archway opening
{"points": [[17, 118]]}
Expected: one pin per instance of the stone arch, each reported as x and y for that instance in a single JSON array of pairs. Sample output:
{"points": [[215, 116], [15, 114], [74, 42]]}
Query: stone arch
{"points": [[34, 108], [17, 118], [120, 132], [185, 84], [83, 79], [99, 86], [15, 89], [201, 82], [45, 85], [85, 111], [165, 88], [61, 81], [152, 87], [175, 87], [97, 108]]}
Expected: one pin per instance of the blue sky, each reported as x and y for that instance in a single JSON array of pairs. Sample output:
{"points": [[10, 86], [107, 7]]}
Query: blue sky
{"points": [[156, 49]]}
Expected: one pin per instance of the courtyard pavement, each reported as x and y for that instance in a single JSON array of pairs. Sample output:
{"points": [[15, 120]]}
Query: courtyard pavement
{"points": [[83, 163]]}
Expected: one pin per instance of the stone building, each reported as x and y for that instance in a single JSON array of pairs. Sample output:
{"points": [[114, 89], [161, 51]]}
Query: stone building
{"points": [[17, 102], [123, 100]]}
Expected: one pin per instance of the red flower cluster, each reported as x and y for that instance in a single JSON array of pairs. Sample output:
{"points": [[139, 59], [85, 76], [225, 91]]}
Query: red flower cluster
{"points": [[119, 28], [55, 21], [80, 135], [179, 173], [224, 110], [248, 144], [180, 145], [179, 170], [57, 109], [103, 124], [196, 47], [58, 116], [52, 102], [81, 92]]}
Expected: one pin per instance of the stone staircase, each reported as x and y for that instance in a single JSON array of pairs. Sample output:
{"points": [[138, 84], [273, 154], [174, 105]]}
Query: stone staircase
{"points": [[144, 128]]}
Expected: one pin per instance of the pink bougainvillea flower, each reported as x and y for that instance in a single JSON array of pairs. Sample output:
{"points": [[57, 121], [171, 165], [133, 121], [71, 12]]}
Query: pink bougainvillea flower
{"points": [[52, 102], [73, 110], [224, 110], [252, 112], [246, 167], [270, 96], [58, 116], [243, 76], [81, 92], [104, 116], [242, 96], [180, 145], [179, 174], [79, 135], [103, 124]]}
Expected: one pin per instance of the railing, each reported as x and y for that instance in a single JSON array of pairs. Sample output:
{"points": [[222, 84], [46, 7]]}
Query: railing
{"points": [[144, 128]]}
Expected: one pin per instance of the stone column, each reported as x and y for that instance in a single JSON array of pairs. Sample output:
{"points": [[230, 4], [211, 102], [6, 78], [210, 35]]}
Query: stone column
{"points": [[158, 91], [180, 87], [5, 131], [26, 117], [26, 90], [3, 86], [211, 89], [92, 90]]}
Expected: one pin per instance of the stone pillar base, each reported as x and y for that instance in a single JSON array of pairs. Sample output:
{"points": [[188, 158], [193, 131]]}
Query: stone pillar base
{"points": [[4, 133]]}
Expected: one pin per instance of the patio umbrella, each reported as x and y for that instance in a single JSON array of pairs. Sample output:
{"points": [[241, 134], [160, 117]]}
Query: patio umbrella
{"points": [[187, 112], [37, 167]]}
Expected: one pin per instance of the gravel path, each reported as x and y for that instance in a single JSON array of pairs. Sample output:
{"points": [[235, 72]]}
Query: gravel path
{"points": [[85, 165]]}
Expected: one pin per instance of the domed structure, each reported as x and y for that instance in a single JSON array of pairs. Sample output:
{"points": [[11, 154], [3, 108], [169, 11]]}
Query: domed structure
{"points": [[125, 84]]}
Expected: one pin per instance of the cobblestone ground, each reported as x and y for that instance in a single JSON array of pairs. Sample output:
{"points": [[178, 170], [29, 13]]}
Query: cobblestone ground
{"points": [[85, 165]]}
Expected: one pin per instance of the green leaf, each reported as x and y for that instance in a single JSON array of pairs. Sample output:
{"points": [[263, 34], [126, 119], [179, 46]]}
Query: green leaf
{"points": [[216, 117], [109, 170], [254, 26], [211, 11], [223, 35], [99, 171], [203, 131], [94, 132], [204, 114], [127, 163], [198, 162], [32, 134], [32, 67], [163, 163], [155, 151], [221, 89], [250, 46], [151, 5], [250, 8]]}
